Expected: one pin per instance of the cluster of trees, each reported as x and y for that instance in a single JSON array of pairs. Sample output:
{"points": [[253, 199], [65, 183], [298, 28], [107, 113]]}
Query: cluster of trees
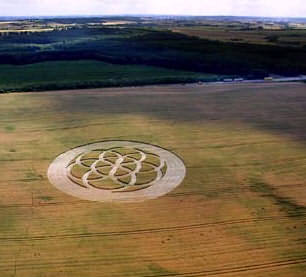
{"points": [[153, 47], [99, 84]]}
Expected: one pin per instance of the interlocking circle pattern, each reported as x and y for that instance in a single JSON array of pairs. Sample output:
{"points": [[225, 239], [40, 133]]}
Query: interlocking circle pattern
{"points": [[120, 169], [117, 171]]}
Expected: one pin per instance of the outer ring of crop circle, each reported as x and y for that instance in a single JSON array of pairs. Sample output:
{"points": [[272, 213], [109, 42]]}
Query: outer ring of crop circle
{"points": [[175, 174]]}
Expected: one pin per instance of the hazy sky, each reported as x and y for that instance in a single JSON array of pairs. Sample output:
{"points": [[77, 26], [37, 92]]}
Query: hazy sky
{"points": [[285, 8]]}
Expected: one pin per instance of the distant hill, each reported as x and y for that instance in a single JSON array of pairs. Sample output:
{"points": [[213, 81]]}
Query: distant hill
{"points": [[173, 17]]}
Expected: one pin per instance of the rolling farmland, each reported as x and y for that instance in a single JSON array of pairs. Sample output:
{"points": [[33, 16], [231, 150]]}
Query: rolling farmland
{"points": [[240, 210]]}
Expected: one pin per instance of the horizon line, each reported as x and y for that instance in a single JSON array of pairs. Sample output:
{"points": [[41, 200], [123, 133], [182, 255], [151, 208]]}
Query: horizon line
{"points": [[146, 14]]}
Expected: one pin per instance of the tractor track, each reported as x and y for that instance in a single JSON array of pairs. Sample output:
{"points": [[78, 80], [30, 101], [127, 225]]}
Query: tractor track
{"points": [[145, 231]]}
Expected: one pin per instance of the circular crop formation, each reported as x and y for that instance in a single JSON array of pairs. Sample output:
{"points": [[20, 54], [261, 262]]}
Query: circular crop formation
{"points": [[117, 171]]}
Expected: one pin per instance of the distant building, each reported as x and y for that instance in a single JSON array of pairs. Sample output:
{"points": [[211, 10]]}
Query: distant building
{"points": [[268, 79]]}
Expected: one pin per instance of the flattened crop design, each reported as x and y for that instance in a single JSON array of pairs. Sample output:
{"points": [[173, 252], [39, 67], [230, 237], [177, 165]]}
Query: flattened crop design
{"points": [[117, 171]]}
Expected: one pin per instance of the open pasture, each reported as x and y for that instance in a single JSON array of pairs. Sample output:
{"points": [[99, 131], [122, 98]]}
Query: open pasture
{"points": [[240, 210]]}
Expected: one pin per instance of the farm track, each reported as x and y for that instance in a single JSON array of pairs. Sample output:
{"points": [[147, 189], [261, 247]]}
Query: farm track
{"points": [[218, 272], [233, 192], [213, 272], [41, 204], [219, 246], [149, 231], [155, 255]]}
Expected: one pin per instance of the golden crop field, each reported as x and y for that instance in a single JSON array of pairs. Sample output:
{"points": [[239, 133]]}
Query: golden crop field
{"points": [[240, 211], [291, 37]]}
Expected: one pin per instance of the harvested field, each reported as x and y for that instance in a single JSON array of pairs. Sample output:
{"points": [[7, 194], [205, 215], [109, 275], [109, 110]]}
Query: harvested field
{"points": [[240, 211], [294, 38]]}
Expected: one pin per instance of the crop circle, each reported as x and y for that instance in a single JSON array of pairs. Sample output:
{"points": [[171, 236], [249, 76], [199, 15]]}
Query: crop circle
{"points": [[117, 171]]}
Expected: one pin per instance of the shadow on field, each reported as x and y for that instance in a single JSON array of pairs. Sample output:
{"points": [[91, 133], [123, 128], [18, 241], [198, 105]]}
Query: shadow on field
{"points": [[278, 108]]}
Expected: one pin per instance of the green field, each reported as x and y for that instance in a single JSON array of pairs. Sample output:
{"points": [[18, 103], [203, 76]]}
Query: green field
{"points": [[88, 74], [239, 212]]}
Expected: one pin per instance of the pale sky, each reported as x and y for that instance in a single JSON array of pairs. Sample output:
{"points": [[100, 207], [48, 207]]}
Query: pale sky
{"points": [[278, 8]]}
